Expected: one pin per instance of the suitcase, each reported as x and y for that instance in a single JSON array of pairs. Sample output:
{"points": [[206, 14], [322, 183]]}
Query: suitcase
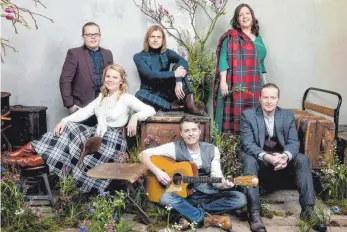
{"points": [[27, 123], [316, 135], [158, 130]]}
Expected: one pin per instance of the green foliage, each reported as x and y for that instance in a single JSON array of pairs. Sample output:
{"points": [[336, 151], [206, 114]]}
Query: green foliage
{"points": [[333, 177], [69, 206], [105, 213], [135, 151], [17, 215], [202, 65], [228, 145]]}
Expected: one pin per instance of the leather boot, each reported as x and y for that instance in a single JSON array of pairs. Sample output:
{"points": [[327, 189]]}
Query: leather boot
{"points": [[220, 221], [255, 222], [26, 150], [28, 161], [176, 107], [183, 223], [192, 107]]}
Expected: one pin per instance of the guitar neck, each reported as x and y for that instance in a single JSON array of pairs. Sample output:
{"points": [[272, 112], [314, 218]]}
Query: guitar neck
{"points": [[202, 179]]}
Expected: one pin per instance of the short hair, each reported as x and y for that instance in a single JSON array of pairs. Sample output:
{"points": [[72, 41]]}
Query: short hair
{"points": [[187, 118], [235, 20], [89, 24], [149, 33], [270, 85]]}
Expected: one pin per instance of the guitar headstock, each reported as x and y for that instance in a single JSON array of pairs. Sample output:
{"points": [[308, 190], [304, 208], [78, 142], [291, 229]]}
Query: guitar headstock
{"points": [[251, 181]]}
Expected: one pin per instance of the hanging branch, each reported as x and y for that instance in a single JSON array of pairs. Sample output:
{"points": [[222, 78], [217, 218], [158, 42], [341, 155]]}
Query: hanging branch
{"points": [[14, 13], [161, 16]]}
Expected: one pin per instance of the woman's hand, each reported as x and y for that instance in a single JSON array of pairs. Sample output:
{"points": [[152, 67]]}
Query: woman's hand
{"points": [[224, 88], [180, 72], [59, 128], [132, 126]]}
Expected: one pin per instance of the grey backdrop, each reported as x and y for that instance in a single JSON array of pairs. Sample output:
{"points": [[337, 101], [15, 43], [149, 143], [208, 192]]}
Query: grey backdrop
{"points": [[306, 43]]}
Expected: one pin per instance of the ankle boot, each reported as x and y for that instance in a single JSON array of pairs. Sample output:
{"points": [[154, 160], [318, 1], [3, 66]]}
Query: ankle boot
{"points": [[255, 222], [27, 161], [183, 223], [192, 107], [26, 150], [176, 107], [220, 221], [30, 161]]}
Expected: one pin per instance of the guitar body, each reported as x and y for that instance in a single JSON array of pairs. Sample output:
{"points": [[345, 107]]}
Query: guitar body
{"points": [[172, 168]]}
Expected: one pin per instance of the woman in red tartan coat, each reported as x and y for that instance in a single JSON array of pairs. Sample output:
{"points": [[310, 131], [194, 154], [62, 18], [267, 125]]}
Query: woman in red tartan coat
{"points": [[240, 63]]}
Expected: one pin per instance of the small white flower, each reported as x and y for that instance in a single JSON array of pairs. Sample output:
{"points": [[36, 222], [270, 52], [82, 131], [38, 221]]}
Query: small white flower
{"points": [[19, 212], [168, 207]]}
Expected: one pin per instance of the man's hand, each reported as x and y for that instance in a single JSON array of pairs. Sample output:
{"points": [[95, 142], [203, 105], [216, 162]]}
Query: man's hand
{"points": [[179, 90], [180, 72], [73, 109], [283, 163], [162, 177], [226, 184], [272, 159]]}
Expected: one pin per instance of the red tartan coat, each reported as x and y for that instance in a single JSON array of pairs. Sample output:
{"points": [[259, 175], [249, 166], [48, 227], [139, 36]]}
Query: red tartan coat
{"points": [[243, 72]]}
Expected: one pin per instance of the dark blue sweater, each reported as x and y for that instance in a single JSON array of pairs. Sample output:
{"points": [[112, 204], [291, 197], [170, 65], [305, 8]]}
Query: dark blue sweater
{"points": [[153, 66]]}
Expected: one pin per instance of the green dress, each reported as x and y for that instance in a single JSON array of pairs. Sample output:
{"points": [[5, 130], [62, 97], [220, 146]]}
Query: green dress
{"points": [[223, 65]]}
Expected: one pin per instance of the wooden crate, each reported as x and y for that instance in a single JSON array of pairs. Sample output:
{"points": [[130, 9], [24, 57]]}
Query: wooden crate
{"points": [[166, 128]]}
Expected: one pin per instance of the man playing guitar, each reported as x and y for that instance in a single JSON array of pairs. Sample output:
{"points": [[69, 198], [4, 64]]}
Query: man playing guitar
{"points": [[206, 198]]}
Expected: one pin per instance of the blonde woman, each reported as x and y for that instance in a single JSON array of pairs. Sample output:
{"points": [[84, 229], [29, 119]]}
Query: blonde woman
{"points": [[61, 149]]}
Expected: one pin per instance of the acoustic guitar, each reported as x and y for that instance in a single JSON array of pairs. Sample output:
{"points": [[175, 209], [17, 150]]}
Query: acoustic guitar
{"points": [[182, 174]]}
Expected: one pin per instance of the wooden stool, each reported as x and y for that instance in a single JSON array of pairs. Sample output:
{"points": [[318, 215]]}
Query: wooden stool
{"points": [[39, 171], [121, 171]]}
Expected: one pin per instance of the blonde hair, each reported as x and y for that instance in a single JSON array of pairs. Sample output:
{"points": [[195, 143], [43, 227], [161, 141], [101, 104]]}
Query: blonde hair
{"points": [[149, 33], [123, 88]]}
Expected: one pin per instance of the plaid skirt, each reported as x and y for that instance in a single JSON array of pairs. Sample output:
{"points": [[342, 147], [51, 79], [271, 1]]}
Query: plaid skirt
{"points": [[62, 153]]}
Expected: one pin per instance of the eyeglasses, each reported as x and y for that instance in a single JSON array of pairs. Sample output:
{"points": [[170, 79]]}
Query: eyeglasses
{"points": [[92, 35]]}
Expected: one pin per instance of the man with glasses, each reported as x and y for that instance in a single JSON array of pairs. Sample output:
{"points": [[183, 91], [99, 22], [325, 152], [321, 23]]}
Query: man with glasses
{"points": [[81, 77]]}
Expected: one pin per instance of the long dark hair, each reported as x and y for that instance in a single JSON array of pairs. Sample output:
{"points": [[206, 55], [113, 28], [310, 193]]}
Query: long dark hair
{"points": [[235, 22]]}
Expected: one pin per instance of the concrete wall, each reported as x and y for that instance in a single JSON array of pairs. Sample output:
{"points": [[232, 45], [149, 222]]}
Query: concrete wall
{"points": [[306, 43], [32, 75]]}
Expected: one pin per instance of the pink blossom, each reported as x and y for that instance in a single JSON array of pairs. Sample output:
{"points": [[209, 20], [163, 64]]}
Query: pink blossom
{"points": [[166, 11], [9, 10], [26, 204], [9, 17], [61, 210], [160, 8]]}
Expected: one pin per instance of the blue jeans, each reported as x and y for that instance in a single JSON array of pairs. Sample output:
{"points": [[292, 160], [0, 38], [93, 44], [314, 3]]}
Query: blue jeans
{"points": [[194, 207]]}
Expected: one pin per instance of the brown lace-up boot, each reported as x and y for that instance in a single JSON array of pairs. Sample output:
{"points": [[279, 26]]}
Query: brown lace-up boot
{"points": [[220, 221], [27, 161]]}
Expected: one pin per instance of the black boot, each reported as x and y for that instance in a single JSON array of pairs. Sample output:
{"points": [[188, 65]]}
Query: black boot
{"points": [[255, 222], [308, 215]]}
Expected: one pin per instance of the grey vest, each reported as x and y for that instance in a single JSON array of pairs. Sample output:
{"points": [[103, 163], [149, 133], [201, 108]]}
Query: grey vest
{"points": [[207, 155]]}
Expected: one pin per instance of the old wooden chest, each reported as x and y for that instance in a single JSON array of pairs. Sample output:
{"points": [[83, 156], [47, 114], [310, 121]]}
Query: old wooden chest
{"points": [[158, 130]]}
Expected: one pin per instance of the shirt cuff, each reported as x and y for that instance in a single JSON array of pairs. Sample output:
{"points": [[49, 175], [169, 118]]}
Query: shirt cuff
{"points": [[179, 79], [261, 156], [290, 156]]}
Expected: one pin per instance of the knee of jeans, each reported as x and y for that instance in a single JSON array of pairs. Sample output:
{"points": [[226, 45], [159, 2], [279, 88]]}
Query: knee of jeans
{"points": [[167, 199], [241, 199]]}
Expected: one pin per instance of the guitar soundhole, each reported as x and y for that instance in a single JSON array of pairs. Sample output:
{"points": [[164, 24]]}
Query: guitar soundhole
{"points": [[177, 179]]}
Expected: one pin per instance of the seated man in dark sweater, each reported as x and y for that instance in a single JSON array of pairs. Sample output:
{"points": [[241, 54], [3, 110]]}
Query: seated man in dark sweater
{"points": [[161, 87], [270, 144]]}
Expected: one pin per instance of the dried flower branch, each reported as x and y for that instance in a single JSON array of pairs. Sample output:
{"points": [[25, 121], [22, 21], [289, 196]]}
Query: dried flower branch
{"points": [[14, 13]]}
